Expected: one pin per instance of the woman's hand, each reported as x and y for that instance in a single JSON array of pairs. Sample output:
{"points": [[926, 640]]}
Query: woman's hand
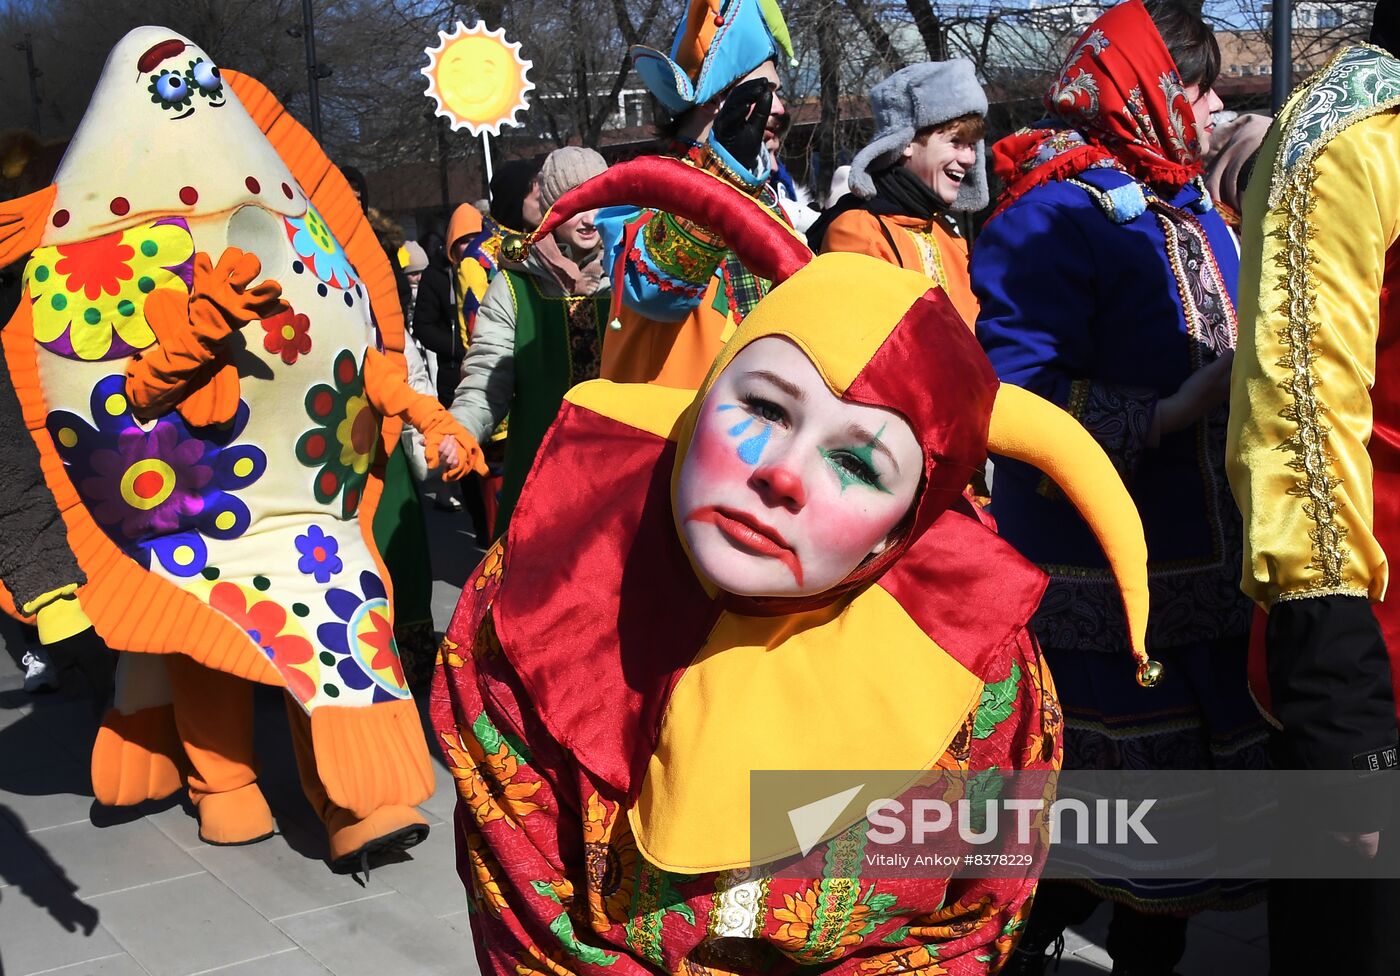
{"points": [[448, 452], [1202, 391], [454, 454]]}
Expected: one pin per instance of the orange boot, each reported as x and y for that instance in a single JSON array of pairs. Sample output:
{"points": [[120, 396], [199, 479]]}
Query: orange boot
{"points": [[392, 827], [214, 714], [138, 755]]}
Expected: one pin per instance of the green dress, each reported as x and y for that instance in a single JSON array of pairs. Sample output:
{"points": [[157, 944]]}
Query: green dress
{"points": [[402, 540], [558, 344]]}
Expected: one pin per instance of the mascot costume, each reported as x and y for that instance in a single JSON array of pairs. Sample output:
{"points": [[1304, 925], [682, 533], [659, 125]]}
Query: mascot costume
{"points": [[209, 358]]}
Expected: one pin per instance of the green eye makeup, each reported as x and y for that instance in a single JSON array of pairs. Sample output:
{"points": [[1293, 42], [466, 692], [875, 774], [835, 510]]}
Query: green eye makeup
{"points": [[855, 466]]}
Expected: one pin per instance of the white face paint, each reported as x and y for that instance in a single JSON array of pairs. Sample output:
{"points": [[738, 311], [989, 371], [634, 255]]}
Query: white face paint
{"points": [[786, 488], [164, 135]]}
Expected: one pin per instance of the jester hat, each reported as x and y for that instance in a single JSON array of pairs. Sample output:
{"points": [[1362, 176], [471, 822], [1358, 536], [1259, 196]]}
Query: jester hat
{"points": [[717, 43], [879, 352], [594, 586]]}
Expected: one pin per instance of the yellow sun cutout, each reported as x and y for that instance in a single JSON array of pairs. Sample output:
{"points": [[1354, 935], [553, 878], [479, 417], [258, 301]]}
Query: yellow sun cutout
{"points": [[477, 78]]}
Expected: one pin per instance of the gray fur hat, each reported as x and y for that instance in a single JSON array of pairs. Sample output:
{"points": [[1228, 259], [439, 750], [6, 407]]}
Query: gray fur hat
{"points": [[915, 98]]}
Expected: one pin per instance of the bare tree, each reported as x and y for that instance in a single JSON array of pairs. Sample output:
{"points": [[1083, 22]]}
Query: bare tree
{"points": [[872, 28], [845, 47], [375, 115], [581, 63], [1320, 28], [930, 27], [71, 41]]}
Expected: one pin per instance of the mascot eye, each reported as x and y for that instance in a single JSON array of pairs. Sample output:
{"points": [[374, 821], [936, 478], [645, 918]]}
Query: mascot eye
{"points": [[204, 76], [169, 89]]}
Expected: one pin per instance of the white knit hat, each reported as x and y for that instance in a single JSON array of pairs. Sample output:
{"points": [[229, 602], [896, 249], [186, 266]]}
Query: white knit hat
{"points": [[565, 169], [412, 257]]}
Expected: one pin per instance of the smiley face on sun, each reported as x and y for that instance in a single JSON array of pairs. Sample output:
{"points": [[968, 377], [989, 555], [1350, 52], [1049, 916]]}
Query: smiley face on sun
{"points": [[477, 78]]}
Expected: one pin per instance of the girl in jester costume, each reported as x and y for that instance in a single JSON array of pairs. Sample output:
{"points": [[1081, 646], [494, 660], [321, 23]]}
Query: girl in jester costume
{"points": [[779, 571], [211, 435]]}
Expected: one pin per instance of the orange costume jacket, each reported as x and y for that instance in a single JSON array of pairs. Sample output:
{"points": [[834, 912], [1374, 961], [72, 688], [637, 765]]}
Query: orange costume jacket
{"points": [[931, 246]]}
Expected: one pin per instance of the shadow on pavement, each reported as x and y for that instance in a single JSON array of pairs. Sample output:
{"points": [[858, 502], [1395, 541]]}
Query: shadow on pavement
{"points": [[452, 546], [29, 872]]}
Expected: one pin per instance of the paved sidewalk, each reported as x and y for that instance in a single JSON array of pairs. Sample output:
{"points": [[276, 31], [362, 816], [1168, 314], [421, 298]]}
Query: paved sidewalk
{"points": [[1218, 944], [91, 891]]}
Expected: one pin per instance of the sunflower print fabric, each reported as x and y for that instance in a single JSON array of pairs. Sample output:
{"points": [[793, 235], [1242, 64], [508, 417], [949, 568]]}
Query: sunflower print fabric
{"points": [[556, 885]]}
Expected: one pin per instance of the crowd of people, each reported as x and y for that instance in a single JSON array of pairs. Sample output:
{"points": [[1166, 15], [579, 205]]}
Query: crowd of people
{"points": [[765, 481]]}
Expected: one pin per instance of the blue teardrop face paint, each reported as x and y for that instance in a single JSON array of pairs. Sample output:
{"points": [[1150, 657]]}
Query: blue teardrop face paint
{"points": [[751, 448]]}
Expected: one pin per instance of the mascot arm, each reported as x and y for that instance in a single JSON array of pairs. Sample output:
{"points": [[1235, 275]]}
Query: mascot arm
{"points": [[386, 385], [188, 368]]}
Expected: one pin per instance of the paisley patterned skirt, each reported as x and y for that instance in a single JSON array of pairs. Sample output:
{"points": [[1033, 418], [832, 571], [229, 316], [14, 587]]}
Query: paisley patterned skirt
{"points": [[1199, 717]]}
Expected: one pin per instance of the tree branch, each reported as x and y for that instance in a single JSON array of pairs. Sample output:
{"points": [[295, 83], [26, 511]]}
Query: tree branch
{"points": [[624, 22], [930, 28], [829, 68], [878, 36], [632, 35]]}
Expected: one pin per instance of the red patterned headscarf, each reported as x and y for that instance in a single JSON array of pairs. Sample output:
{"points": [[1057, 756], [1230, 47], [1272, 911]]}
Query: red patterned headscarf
{"points": [[1119, 101]]}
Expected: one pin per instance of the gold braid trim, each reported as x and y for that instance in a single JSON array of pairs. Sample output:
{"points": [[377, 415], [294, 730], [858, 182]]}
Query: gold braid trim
{"points": [[929, 256], [1312, 460], [682, 249], [1360, 591], [740, 904]]}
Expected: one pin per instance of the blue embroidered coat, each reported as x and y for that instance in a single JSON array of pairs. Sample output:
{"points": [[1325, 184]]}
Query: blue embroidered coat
{"points": [[1104, 298]]}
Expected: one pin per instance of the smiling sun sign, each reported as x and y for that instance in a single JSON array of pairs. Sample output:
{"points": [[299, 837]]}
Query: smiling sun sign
{"points": [[477, 78]]}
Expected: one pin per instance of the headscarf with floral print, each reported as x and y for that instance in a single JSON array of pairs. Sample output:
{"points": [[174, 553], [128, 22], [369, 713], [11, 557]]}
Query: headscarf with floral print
{"points": [[1118, 102]]}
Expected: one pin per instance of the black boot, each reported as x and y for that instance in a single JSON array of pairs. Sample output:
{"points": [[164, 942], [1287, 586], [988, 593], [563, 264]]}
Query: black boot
{"points": [[1032, 959], [1145, 945], [1057, 906]]}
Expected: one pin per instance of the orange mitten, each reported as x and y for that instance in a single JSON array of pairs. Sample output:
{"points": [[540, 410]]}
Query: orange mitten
{"points": [[225, 287], [187, 369], [386, 385]]}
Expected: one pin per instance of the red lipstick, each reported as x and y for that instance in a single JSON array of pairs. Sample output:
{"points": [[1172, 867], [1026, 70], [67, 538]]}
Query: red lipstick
{"points": [[751, 535]]}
